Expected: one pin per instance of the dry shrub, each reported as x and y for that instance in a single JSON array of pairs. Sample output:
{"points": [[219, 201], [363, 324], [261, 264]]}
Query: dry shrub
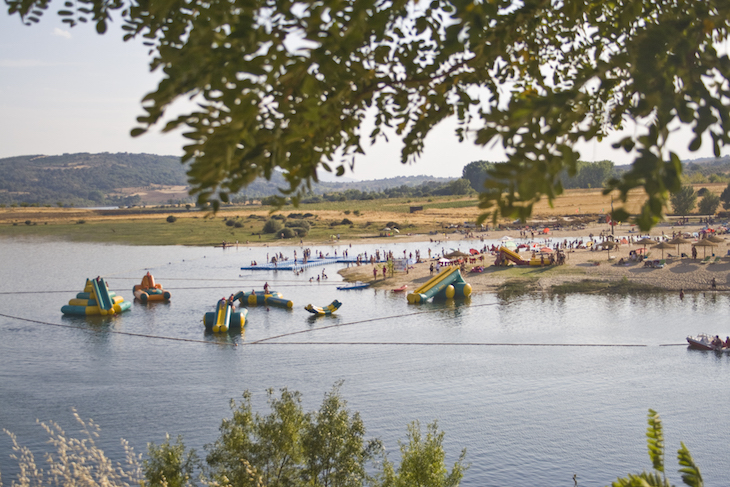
{"points": [[75, 462]]}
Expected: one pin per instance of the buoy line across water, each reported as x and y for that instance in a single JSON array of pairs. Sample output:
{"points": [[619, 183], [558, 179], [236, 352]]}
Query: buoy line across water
{"points": [[268, 340], [115, 332]]}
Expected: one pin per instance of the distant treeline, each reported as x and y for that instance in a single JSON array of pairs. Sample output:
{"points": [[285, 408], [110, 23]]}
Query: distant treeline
{"points": [[423, 190], [588, 174]]}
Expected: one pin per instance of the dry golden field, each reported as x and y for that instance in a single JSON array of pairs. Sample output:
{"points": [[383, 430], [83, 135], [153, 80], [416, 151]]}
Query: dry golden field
{"points": [[348, 219]]}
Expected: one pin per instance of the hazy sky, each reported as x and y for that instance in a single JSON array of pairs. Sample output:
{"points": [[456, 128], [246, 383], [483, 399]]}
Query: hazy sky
{"points": [[71, 90]]}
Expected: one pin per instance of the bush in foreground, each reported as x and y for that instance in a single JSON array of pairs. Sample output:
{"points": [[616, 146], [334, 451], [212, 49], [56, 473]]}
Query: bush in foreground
{"points": [[286, 447]]}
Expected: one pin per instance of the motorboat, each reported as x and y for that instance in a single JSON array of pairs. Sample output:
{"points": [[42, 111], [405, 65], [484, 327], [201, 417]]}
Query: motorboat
{"points": [[705, 342]]}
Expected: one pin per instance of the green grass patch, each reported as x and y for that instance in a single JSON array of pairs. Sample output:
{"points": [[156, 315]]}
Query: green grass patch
{"points": [[396, 205], [534, 271], [622, 287], [515, 288], [470, 203], [148, 231]]}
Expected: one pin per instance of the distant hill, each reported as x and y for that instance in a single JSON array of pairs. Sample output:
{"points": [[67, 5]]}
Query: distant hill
{"points": [[85, 179]]}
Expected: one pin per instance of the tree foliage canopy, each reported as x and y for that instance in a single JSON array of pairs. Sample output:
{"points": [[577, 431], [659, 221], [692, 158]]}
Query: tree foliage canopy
{"points": [[290, 448], [684, 200], [725, 197], [708, 203], [282, 84]]}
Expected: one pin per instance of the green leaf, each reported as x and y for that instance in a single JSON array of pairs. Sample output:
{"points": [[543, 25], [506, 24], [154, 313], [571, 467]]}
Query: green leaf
{"points": [[690, 472], [655, 441]]}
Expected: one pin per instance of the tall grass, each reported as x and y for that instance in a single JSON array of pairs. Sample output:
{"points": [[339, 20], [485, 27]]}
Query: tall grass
{"points": [[74, 462]]}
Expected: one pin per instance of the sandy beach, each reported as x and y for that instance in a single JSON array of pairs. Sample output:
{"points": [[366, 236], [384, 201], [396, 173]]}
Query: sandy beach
{"points": [[687, 274]]}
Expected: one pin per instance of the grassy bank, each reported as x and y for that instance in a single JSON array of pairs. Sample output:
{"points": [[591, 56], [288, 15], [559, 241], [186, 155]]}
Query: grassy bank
{"points": [[623, 287], [350, 220], [327, 221]]}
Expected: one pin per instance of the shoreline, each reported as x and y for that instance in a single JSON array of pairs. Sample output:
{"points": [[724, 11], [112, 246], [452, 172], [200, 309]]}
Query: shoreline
{"points": [[678, 274], [686, 274]]}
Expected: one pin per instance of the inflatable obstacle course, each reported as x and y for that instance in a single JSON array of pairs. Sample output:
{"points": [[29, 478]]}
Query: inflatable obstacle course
{"points": [[225, 317], [327, 310], [262, 298], [505, 256], [446, 284], [148, 290], [96, 299]]}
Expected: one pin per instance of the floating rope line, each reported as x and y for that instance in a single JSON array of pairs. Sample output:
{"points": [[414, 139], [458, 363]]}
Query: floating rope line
{"points": [[75, 291], [338, 325], [37, 292], [140, 335], [268, 340], [449, 344]]}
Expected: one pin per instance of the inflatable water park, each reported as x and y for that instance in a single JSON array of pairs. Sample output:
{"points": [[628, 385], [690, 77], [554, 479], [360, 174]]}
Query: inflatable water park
{"points": [[225, 317], [447, 284], [149, 290], [96, 299], [231, 313]]}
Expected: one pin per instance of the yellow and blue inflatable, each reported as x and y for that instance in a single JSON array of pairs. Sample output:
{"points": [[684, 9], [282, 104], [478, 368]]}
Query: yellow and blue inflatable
{"points": [[96, 300], [447, 284], [150, 291], [258, 298], [327, 310], [225, 317]]}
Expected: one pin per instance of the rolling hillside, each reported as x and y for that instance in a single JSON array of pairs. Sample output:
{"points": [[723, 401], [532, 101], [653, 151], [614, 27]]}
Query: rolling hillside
{"points": [[125, 179]]}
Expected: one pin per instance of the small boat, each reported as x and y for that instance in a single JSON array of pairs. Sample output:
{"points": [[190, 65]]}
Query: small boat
{"points": [[400, 289], [327, 310], [354, 285], [705, 342]]}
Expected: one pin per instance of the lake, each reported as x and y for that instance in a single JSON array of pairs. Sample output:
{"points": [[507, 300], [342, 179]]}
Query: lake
{"points": [[537, 389]]}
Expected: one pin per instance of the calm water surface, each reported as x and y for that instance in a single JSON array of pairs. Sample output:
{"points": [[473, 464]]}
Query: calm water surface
{"points": [[533, 411]]}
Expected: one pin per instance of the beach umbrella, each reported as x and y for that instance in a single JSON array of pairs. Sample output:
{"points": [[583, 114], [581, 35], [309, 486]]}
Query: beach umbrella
{"points": [[457, 253], [662, 246], [608, 245], [473, 251], [679, 241], [510, 244], [546, 250], [716, 239], [704, 243], [644, 242], [506, 238]]}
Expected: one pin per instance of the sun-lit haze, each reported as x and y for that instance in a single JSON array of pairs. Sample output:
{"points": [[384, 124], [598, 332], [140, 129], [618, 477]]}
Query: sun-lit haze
{"points": [[71, 90]]}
